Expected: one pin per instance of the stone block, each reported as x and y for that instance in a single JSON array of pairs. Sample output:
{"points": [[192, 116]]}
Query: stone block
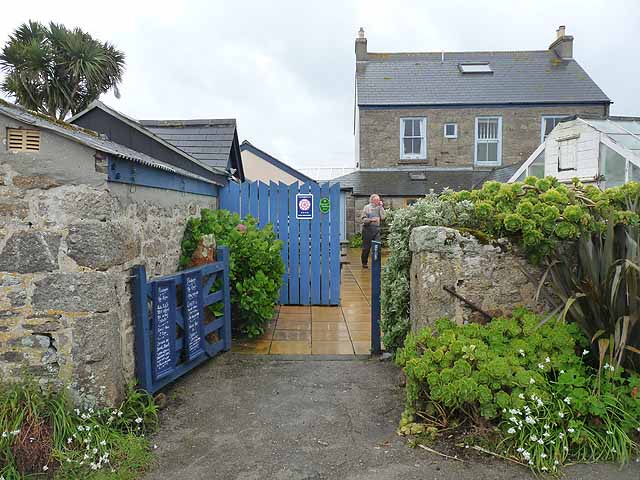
{"points": [[75, 292], [28, 182], [30, 251], [13, 209], [102, 245], [68, 204]]}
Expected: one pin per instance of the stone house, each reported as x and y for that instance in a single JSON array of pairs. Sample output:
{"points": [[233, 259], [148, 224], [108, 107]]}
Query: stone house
{"points": [[78, 211], [444, 119]]}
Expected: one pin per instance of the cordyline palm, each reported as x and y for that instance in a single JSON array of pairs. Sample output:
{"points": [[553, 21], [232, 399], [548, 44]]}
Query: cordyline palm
{"points": [[57, 71]]}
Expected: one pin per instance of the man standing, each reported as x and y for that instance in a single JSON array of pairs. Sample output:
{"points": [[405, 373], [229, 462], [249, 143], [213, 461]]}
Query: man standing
{"points": [[372, 216]]}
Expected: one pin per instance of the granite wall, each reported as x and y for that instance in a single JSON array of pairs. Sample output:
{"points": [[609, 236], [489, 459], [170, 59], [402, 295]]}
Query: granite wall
{"points": [[68, 239], [491, 276]]}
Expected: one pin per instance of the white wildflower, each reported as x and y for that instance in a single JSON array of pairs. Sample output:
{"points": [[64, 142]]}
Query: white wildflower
{"points": [[543, 455], [15, 432], [519, 449], [556, 462], [530, 420], [561, 415], [532, 381], [156, 446], [138, 420], [613, 450], [513, 420], [548, 360], [609, 432], [570, 430], [119, 413], [521, 396], [567, 400], [521, 352], [5, 434], [526, 455], [544, 469], [45, 468], [546, 426], [80, 428], [561, 435], [69, 440], [545, 434], [94, 451], [585, 352], [540, 441], [539, 402], [534, 438], [540, 366], [561, 371], [103, 443]]}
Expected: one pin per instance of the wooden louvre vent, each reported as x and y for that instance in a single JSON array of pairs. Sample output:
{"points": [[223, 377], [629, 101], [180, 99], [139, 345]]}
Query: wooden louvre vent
{"points": [[23, 140]]}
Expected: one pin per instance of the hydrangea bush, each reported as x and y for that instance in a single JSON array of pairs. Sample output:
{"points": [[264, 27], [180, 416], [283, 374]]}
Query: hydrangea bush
{"points": [[529, 381]]}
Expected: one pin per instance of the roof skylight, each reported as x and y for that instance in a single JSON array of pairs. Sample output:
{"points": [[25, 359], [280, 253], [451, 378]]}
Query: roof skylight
{"points": [[475, 67]]}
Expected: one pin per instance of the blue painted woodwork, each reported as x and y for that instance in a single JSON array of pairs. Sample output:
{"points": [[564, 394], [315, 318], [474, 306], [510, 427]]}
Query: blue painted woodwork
{"points": [[294, 243], [133, 173], [310, 248], [305, 253], [334, 245], [376, 267], [325, 251], [183, 331]]}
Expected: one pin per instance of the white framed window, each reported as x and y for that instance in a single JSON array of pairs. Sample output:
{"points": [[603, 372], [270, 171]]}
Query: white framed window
{"points": [[567, 153], [413, 138], [450, 130], [548, 123], [488, 145]]}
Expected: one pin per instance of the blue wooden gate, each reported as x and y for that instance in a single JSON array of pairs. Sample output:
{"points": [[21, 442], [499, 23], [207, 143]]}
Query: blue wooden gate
{"points": [[310, 246], [175, 331]]}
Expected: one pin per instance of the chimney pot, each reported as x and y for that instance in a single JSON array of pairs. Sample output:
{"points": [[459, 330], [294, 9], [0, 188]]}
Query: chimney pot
{"points": [[361, 33], [361, 46], [561, 31], [563, 44]]}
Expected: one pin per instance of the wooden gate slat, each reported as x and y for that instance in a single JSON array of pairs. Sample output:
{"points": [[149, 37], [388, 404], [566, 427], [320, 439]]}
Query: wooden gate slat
{"points": [[263, 207], [273, 206], [315, 246], [253, 199], [294, 258], [305, 251], [334, 249], [324, 248], [244, 199], [283, 214]]}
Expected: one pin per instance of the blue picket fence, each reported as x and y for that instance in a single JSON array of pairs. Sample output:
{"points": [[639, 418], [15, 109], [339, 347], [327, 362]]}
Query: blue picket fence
{"points": [[175, 331], [310, 247]]}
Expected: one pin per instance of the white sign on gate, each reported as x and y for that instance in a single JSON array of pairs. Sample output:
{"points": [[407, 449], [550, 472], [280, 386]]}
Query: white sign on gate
{"points": [[304, 206]]}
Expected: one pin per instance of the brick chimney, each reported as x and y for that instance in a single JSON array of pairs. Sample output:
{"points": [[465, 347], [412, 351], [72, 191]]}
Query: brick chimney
{"points": [[563, 44], [361, 46]]}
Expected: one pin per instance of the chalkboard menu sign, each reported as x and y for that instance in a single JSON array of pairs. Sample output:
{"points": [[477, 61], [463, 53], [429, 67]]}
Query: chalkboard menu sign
{"points": [[193, 313], [164, 328]]}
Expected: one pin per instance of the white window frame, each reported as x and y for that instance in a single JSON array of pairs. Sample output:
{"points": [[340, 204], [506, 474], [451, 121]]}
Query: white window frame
{"points": [[423, 145], [477, 141], [455, 130], [543, 120]]}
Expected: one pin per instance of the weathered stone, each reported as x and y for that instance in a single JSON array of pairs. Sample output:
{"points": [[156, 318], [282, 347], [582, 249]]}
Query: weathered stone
{"points": [[75, 292], [44, 323], [12, 357], [30, 251], [11, 208], [102, 245], [484, 275], [205, 251], [42, 182], [18, 298], [9, 280], [66, 204]]}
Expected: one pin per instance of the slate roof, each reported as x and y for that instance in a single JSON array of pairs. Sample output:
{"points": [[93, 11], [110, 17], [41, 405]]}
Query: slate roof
{"points": [[537, 76], [208, 140], [398, 182], [499, 174], [89, 138]]}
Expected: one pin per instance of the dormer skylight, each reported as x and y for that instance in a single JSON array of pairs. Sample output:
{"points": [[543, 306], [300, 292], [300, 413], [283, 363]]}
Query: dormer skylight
{"points": [[475, 67]]}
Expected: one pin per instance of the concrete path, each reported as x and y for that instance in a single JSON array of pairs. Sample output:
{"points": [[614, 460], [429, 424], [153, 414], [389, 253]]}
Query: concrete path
{"points": [[241, 417]]}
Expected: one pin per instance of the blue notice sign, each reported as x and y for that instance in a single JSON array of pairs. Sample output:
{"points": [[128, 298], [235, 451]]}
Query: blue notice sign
{"points": [[164, 328], [192, 314], [304, 206]]}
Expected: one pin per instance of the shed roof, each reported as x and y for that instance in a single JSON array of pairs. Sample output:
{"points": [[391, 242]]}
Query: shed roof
{"points": [[89, 138], [408, 183], [518, 77], [248, 146]]}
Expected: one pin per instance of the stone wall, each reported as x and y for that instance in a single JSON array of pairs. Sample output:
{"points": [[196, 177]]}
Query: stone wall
{"points": [[491, 276], [67, 241], [355, 204], [379, 133]]}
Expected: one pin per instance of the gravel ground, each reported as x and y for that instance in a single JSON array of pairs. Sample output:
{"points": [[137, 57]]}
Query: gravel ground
{"points": [[250, 418]]}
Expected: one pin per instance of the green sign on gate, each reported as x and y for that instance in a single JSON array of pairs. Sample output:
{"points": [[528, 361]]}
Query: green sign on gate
{"points": [[325, 205]]}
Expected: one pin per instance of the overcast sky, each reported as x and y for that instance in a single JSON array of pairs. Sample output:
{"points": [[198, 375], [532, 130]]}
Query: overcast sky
{"points": [[285, 69]]}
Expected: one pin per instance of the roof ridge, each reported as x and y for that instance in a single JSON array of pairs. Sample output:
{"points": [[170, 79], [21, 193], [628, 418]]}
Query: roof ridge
{"points": [[187, 122], [455, 52]]}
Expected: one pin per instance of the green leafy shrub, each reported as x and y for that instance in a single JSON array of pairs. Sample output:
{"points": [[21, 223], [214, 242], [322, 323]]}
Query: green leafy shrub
{"points": [[538, 214], [528, 381], [42, 433], [356, 241], [255, 265]]}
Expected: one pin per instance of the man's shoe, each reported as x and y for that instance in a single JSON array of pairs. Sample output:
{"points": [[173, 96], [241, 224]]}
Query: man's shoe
{"points": [[364, 265]]}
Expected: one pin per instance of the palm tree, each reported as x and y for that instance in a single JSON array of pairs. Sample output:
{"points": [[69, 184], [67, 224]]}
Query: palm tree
{"points": [[57, 71]]}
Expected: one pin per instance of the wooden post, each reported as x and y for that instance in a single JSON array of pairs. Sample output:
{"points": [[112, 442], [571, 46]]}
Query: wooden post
{"points": [[142, 332], [376, 268]]}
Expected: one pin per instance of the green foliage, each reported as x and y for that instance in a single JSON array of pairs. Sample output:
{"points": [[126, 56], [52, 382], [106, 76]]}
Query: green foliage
{"points": [[538, 214], [42, 434], [527, 380], [57, 71], [255, 265], [356, 241], [599, 290]]}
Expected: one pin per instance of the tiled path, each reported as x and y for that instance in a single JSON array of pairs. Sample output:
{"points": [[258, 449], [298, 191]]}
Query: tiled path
{"points": [[302, 330]]}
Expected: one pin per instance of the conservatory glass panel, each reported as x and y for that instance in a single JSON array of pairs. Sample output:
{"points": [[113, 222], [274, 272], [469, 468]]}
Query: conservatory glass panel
{"points": [[536, 169], [612, 166]]}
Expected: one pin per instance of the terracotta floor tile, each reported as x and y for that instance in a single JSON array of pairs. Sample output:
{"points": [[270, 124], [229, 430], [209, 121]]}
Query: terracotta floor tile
{"points": [[287, 347], [293, 317], [329, 327], [332, 348], [330, 335], [299, 335], [359, 326], [295, 309], [284, 324], [253, 347], [362, 348], [360, 335]]}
